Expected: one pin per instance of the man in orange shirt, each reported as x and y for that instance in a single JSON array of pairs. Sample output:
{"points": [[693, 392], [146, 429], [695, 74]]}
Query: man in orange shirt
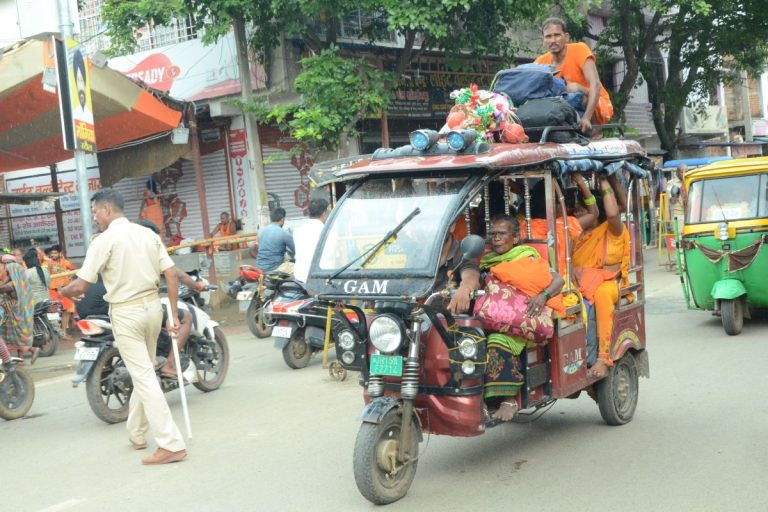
{"points": [[576, 64]]}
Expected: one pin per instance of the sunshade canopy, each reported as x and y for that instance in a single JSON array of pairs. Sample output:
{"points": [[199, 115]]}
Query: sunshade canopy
{"points": [[30, 126]]}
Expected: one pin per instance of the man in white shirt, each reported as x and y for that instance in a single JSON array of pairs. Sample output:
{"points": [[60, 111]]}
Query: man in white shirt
{"points": [[307, 235]]}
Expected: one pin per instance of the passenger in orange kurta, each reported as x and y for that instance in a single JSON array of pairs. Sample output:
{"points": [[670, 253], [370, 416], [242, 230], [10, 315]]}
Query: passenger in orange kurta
{"points": [[601, 263], [151, 209], [58, 264], [576, 65]]}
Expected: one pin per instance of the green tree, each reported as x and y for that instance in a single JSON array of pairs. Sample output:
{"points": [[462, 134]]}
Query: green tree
{"points": [[705, 41], [463, 29]]}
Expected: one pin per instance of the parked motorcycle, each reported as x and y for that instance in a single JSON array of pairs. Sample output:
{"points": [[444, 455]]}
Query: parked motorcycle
{"points": [[253, 289], [17, 390], [46, 336], [298, 321], [204, 358]]}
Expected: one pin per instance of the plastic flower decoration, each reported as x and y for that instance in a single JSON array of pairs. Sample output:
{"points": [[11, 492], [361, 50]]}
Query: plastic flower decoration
{"points": [[486, 112]]}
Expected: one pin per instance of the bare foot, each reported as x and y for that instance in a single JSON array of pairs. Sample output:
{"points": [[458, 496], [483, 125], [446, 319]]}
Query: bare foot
{"points": [[599, 369], [506, 411]]}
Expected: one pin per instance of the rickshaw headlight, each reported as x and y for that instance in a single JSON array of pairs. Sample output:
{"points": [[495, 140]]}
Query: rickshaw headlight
{"points": [[421, 140], [386, 333], [348, 357], [346, 340], [461, 139], [467, 367], [468, 348], [722, 231]]}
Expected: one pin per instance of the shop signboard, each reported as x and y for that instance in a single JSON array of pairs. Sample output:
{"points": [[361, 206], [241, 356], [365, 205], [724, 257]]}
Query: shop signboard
{"points": [[428, 94]]}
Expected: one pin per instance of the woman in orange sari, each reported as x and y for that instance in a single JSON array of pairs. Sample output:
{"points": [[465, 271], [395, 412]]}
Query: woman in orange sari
{"points": [[576, 223], [601, 261]]}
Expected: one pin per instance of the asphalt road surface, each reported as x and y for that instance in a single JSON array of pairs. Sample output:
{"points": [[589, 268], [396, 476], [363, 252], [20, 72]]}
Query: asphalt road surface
{"points": [[275, 439]]}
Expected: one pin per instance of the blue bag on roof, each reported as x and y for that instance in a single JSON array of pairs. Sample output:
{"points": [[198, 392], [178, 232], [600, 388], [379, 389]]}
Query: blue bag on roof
{"points": [[528, 82]]}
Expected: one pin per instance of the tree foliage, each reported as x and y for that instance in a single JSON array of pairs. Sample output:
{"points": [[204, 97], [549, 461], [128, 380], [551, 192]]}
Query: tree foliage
{"points": [[462, 29], [705, 42]]}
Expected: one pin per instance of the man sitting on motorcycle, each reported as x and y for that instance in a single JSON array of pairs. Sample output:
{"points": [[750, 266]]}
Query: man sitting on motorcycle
{"points": [[523, 268], [185, 318]]}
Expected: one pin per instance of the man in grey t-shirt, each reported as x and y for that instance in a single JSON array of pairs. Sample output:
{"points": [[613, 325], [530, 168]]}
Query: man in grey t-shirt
{"points": [[274, 241]]}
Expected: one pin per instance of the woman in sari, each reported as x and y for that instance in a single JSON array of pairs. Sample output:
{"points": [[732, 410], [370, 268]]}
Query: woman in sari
{"points": [[16, 308], [577, 223], [601, 262], [520, 266]]}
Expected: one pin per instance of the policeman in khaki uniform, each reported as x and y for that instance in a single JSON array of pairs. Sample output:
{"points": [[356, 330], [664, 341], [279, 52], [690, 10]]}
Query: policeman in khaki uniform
{"points": [[130, 258]]}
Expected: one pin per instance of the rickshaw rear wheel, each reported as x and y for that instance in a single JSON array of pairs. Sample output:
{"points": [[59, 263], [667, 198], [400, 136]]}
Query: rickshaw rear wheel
{"points": [[617, 393], [379, 476], [732, 312]]}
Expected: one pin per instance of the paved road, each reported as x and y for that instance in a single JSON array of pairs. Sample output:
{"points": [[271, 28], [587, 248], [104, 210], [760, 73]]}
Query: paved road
{"points": [[272, 439]]}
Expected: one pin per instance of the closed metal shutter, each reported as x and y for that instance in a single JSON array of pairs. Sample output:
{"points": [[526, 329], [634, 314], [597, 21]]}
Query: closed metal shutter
{"points": [[217, 194], [283, 180]]}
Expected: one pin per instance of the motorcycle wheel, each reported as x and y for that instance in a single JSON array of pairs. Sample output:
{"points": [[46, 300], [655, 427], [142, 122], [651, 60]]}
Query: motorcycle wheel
{"points": [[255, 319], [380, 478], [109, 387], [617, 393], [46, 337], [17, 392], [297, 351], [215, 360]]}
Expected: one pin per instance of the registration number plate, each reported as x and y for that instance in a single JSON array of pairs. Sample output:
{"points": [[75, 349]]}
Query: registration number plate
{"points": [[53, 317], [391, 366], [281, 331], [86, 353], [245, 295]]}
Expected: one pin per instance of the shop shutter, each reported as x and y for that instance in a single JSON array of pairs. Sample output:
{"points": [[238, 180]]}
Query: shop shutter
{"points": [[283, 180], [217, 193]]}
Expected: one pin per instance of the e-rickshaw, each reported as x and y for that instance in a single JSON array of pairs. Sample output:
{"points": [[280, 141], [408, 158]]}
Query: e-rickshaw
{"points": [[421, 368], [666, 227], [721, 260]]}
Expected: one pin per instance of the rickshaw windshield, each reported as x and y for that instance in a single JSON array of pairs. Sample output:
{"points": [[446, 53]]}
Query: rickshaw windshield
{"points": [[729, 198], [378, 206]]}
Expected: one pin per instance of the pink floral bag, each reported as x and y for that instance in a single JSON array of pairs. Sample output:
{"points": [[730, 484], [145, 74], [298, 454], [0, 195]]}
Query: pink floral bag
{"points": [[502, 309]]}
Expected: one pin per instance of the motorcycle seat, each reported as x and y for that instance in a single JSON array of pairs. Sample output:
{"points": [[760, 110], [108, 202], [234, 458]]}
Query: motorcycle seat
{"points": [[43, 306]]}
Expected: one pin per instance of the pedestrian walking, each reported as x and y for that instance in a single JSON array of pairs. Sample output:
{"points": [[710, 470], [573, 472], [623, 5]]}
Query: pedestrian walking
{"points": [[130, 259]]}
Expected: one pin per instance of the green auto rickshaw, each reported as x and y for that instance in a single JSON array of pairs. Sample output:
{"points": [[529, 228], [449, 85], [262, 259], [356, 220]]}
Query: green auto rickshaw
{"points": [[722, 262]]}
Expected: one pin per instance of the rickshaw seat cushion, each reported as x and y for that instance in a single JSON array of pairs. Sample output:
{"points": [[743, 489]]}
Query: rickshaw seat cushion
{"points": [[502, 309]]}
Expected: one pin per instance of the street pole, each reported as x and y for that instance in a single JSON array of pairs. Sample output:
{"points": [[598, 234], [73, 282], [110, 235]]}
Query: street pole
{"points": [[255, 164], [65, 20], [747, 108]]}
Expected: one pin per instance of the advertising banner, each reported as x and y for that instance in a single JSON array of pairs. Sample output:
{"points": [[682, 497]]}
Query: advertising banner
{"points": [[80, 97], [190, 70], [241, 181]]}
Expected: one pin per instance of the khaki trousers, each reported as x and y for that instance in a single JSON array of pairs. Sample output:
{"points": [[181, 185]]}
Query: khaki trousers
{"points": [[136, 328]]}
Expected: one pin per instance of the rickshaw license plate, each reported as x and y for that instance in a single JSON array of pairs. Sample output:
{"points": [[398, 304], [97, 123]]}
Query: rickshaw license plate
{"points": [[86, 353], [391, 366]]}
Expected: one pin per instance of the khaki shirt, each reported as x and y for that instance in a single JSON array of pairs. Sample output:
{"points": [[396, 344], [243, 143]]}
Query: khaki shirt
{"points": [[129, 258]]}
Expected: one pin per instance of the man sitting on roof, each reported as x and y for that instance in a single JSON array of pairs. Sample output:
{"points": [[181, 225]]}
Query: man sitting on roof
{"points": [[576, 64]]}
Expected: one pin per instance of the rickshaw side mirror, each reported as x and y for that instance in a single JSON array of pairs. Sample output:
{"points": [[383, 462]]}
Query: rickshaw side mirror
{"points": [[472, 246]]}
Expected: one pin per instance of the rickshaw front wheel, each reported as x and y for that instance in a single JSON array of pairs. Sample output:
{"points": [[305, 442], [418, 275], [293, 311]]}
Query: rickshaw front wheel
{"points": [[379, 476], [617, 393], [732, 313]]}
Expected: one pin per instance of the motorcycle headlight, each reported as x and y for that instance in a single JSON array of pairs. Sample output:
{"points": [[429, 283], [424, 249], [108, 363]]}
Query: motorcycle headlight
{"points": [[468, 367], [346, 340], [386, 333], [468, 348]]}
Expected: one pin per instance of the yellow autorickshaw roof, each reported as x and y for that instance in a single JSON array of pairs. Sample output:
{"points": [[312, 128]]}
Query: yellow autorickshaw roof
{"points": [[735, 167]]}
